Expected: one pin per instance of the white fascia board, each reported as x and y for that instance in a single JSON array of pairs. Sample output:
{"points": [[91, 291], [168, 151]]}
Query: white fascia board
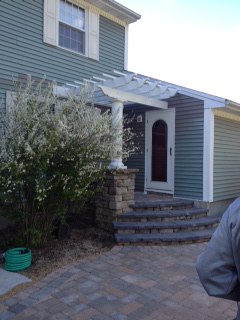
{"points": [[221, 103], [213, 104], [209, 100], [113, 9], [131, 16], [131, 97], [208, 153]]}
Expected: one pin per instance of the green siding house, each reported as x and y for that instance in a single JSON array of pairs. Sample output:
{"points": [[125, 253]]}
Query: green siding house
{"points": [[40, 38], [190, 141]]}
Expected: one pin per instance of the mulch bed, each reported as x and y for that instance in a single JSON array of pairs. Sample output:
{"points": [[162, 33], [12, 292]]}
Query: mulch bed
{"points": [[84, 241]]}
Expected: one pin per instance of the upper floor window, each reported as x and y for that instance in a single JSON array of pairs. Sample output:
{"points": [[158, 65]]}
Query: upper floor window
{"points": [[72, 27], [69, 26]]}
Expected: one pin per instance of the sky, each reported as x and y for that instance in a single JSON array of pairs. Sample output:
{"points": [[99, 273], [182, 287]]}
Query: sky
{"points": [[191, 43]]}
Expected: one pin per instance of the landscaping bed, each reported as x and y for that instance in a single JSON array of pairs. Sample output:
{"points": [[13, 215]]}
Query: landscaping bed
{"points": [[84, 241]]}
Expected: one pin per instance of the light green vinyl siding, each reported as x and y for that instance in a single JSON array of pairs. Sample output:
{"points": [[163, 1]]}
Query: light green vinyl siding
{"points": [[137, 161], [188, 182], [226, 173], [189, 123], [22, 50]]}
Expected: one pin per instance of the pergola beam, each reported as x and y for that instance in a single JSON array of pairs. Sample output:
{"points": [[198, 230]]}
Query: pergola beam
{"points": [[131, 97]]}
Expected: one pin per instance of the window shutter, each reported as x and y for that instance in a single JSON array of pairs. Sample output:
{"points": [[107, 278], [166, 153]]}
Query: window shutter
{"points": [[93, 43], [50, 21]]}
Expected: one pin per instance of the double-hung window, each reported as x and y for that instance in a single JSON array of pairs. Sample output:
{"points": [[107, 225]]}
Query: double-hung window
{"points": [[72, 27], [69, 26]]}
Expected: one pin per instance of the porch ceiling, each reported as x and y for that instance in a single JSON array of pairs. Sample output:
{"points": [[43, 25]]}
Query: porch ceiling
{"points": [[126, 87]]}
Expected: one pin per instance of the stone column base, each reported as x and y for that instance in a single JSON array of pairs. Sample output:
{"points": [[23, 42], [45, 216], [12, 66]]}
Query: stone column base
{"points": [[117, 196]]}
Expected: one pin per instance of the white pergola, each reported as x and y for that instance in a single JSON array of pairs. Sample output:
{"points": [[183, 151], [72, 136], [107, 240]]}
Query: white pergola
{"points": [[117, 90]]}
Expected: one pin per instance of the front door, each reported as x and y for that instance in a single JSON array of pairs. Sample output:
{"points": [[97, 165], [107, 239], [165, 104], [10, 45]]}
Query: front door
{"points": [[160, 136]]}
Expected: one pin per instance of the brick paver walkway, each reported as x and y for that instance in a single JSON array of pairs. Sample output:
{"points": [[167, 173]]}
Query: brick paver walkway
{"points": [[148, 283]]}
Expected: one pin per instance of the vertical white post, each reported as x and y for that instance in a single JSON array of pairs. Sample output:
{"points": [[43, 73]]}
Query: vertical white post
{"points": [[208, 155], [117, 127], [126, 49]]}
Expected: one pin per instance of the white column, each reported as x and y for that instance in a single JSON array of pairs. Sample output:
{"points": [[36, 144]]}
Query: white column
{"points": [[208, 155], [117, 127]]}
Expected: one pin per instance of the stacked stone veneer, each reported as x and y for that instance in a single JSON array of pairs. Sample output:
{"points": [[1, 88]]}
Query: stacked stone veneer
{"points": [[117, 196]]}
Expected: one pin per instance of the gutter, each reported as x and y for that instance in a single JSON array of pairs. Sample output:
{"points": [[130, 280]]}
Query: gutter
{"points": [[135, 16], [232, 104], [116, 9]]}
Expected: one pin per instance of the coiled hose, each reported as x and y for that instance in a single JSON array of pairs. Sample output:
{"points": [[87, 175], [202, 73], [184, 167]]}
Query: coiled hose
{"points": [[17, 259]]}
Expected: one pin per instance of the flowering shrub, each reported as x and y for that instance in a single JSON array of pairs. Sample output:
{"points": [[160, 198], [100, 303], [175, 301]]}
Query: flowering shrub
{"points": [[52, 152]]}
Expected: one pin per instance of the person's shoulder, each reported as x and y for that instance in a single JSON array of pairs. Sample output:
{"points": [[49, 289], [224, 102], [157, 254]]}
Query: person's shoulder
{"points": [[233, 212], [235, 204]]}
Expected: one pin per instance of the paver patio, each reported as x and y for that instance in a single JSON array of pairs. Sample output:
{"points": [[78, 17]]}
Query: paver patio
{"points": [[148, 283]]}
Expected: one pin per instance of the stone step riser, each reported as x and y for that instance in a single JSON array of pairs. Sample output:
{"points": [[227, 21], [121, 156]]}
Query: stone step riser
{"points": [[164, 223], [165, 238], [161, 219], [163, 243], [167, 230], [167, 208]]}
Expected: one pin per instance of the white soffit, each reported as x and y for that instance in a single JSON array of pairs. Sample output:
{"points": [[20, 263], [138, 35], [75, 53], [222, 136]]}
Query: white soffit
{"points": [[124, 86], [116, 9]]}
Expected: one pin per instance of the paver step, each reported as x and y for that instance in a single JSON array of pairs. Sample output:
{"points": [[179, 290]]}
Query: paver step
{"points": [[167, 215], [162, 204], [166, 226], [164, 221], [164, 238]]}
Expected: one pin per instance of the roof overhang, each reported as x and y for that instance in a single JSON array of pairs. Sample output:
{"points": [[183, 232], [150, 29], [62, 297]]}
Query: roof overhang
{"points": [[231, 111], [132, 88], [115, 9]]}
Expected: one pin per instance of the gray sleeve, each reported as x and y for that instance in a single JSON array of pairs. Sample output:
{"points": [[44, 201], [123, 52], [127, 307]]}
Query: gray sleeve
{"points": [[234, 227], [216, 265]]}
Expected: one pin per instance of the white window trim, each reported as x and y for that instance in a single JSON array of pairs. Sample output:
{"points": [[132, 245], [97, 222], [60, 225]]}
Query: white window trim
{"points": [[70, 25], [51, 27]]}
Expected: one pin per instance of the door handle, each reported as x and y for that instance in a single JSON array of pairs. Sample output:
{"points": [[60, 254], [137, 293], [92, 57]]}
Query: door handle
{"points": [[170, 150]]}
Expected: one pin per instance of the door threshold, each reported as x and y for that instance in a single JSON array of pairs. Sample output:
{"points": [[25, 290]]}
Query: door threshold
{"points": [[158, 191]]}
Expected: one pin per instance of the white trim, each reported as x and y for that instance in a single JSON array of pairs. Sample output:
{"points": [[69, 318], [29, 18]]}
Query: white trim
{"points": [[208, 153], [91, 31], [128, 87], [126, 48], [211, 104], [110, 10], [210, 101], [169, 117], [117, 127]]}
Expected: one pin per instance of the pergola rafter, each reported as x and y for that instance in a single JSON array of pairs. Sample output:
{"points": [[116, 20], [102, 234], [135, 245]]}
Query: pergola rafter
{"points": [[118, 90]]}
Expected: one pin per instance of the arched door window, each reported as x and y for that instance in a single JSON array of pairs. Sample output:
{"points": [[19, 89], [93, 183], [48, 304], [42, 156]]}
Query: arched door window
{"points": [[159, 151]]}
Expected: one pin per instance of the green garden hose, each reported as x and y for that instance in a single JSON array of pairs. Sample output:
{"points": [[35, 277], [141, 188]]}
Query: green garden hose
{"points": [[17, 259]]}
